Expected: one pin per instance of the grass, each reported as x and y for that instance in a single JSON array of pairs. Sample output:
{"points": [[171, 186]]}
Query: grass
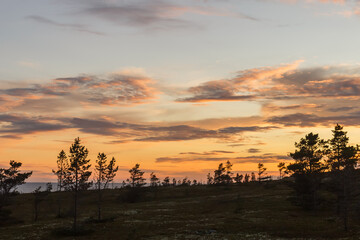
{"points": [[249, 211]]}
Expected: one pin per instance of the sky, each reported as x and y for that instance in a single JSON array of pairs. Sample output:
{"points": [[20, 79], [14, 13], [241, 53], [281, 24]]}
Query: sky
{"points": [[177, 86]]}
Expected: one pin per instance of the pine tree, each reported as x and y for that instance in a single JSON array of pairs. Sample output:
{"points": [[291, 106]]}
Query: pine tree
{"points": [[282, 169], [238, 178], [228, 175], [166, 182], [307, 169], [308, 155], [39, 196], [253, 177], [340, 154], [219, 174], [154, 181], [342, 159], [110, 172], [136, 177], [105, 173], [77, 175], [210, 179], [62, 166], [10, 178], [246, 178], [261, 171]]}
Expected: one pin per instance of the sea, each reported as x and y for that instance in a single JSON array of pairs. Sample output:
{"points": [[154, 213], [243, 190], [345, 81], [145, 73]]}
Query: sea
{"points": [[31, 186]]}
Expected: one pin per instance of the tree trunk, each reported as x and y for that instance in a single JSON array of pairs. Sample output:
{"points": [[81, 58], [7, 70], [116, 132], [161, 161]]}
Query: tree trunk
{"points": [[99, 201], [345, 207], [35, 211], [75, 199]]}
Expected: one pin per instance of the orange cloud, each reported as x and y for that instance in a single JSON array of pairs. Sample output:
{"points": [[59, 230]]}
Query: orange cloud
{"points": [[281, 83], [264, 158], [116, 89]]}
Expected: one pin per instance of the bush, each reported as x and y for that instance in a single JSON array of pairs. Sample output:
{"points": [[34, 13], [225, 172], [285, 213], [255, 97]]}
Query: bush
{"points": [[66, 231], [132, 195]]}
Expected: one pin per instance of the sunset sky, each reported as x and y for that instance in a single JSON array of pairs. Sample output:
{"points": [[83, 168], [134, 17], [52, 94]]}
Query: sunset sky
{"points": [[177, 86]]}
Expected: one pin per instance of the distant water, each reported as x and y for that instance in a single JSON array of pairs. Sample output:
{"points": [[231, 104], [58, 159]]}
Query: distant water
{"points": [[31, 186]]}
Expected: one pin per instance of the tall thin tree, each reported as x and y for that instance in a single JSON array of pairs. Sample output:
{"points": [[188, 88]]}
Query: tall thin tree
{"points": [[261, 171], [105, 173], [78, 173], [342, 159], [282, 169], [62, 166]]}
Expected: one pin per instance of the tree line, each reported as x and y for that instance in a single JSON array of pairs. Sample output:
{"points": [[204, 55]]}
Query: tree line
{"points": [[319, 165]]}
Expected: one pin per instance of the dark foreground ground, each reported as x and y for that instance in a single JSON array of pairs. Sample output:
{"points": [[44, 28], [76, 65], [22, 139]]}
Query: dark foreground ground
{"points": [[250, 211]]}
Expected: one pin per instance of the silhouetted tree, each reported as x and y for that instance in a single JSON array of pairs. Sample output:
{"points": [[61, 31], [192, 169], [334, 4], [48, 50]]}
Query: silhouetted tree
{"points": [[210, 179], [341, 155], [194, 182], [174, 181], [40, 196], [308, 155], [186, 182], [62, 166], [261, 172], [77, 174], [10, 178], [307, 168], [253, 177], [238, 178], [223, 174], [282, 169], [219, 174], [104, 173], [228, 175], [246, 178], [154, 181], [342, 159], [166, 182], [49, 187], [110, 172], [136, 177]]}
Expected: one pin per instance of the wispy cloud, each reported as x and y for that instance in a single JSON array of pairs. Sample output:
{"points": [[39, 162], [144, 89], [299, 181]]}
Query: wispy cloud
{"points": [[13, 126], [312, 120], [264, 158], [19, 125], [115, 89], [253, 150], [214, 152], [281, 83], [246, 86], [155, 14], [74, 27]]}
